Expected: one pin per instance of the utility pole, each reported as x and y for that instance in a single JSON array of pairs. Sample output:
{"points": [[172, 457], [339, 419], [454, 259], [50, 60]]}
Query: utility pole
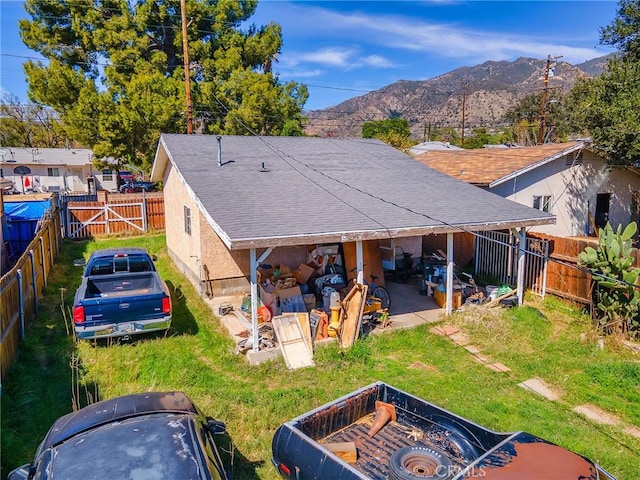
{"points": [[543, 104], [187, 75], [464, 101]]}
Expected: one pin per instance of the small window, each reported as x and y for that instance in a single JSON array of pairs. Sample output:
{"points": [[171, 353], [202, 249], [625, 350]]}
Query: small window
{"points": [[574, 158], [53, 171], [187, 220], [542, 202], [107, 175]]}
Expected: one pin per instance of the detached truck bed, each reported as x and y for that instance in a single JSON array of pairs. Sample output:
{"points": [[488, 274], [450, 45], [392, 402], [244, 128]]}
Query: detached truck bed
{"points": [[417, 441], [121, 294]]}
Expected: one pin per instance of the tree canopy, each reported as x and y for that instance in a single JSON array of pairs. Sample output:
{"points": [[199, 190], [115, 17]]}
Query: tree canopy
{"points": [[115, 74], [393, 131], [525, 118], [607, 107], [28, 125]]}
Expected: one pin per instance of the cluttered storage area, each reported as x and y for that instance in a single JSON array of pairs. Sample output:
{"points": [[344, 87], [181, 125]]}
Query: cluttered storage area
{"points": [[326, 298]]}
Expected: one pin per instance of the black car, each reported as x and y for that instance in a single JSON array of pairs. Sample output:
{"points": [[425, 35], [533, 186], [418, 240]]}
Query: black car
{"points": [[152, 435]]}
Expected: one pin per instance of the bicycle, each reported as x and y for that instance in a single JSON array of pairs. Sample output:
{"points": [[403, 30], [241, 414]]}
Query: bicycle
{"points": [[377, 303]]}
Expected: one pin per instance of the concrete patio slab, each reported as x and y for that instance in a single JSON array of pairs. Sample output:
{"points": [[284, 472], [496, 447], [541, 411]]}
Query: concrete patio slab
{"points": [[460, 338], [481, 359], [450, 329], [438, 331], [408, 309], [498, 367], [540, 387], [472, 349], [597, 414], [633, 431]]}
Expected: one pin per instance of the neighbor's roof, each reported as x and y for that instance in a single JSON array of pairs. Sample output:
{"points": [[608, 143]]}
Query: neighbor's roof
{"points": [[46, 156], [273, 191], [488, 167], [429, 146]]}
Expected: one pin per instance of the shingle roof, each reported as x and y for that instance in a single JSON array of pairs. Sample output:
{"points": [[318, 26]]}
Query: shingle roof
{"points": [[326, 190], [46, 156], [489, 166]]}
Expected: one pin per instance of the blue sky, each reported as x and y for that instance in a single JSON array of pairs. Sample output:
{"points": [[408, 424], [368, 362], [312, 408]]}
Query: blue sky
{"points": [[342, 49]]}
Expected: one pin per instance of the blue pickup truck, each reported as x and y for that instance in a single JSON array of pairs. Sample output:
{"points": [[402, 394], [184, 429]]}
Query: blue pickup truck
{"points": [[121, 294]]}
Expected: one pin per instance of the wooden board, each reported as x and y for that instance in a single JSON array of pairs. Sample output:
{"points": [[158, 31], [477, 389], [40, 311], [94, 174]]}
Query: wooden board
{"points": [[303, 319], [353, 305], [294, 346]]}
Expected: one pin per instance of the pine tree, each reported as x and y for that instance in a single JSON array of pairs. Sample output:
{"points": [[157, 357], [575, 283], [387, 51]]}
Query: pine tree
{"points": [[115, 73]]}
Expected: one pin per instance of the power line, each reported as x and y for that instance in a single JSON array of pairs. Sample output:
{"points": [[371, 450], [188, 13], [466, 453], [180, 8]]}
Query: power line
{"points": [[281, 155]]}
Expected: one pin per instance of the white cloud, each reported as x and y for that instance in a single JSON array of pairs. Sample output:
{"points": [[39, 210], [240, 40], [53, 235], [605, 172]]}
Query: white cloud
{"points": [[377, 61], [334, 57], [300, 73], [347, 58], [449, 40]]}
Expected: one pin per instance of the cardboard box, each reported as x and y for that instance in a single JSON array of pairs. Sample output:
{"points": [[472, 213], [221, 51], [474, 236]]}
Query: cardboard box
{"points": [[440, 298], [289, 292], [267, 295], [303, 273], [265, 271]]}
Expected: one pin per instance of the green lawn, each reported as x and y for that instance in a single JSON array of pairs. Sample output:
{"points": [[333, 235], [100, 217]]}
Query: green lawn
{"points": [[547, 339]]}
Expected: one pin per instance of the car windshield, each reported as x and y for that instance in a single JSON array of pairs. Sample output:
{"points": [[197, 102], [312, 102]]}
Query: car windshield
{"points": [[157, 446]]}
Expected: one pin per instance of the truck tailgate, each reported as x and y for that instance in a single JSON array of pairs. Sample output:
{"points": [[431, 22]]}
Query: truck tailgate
{"points": [[123, 308]]}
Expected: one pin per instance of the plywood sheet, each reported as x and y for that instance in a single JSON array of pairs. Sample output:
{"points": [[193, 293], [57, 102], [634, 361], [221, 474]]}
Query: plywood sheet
{"points": [[353, 305], [295, 349]]}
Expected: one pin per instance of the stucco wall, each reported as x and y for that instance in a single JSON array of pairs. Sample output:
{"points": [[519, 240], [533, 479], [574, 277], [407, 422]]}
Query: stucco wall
{"points": [[574, 191], [184, 248], [230, 271]]}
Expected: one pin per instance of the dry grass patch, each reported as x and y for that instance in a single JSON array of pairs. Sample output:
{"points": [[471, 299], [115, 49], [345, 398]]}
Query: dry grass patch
{"points": [[424, 366]]}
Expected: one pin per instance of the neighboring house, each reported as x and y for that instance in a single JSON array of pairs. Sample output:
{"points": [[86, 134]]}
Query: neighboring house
{"points": [[54, 170], [430, 146], [565, 179], [232, 202]]}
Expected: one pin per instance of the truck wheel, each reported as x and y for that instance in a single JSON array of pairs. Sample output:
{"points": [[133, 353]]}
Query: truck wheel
{"points": [[419, 463], [462, 442]]}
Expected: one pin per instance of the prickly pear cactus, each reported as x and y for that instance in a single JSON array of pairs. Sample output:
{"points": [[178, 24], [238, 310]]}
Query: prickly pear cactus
{"points": [[616, 296]]}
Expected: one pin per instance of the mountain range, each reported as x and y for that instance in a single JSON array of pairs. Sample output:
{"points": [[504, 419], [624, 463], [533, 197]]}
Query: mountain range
{"points": [[487, 91]]}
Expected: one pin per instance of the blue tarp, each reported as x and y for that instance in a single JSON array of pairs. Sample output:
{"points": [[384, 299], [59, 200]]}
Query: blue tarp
{"points": [[26, 210], [21, 221]]}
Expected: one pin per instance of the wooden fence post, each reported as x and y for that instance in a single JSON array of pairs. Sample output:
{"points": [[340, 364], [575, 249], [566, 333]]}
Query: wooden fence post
{"points": [[34, 281], [21, 302], [44, 263], [145, 221]]}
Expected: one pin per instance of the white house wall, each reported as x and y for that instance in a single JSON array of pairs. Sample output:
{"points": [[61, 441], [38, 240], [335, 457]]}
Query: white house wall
{"points": [[108, 181], [574, 191], [71, 178]]}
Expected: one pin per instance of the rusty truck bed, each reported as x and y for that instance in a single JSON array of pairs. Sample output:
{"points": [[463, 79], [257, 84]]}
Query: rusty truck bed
{"points": [[375, 452]]}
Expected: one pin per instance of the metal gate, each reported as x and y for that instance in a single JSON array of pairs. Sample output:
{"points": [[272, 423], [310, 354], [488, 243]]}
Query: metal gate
{"points": [[88, 220], [497, 257]]}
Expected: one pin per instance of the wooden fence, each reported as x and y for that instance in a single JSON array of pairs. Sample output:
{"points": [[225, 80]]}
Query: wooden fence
{"points": [[564, 278], [117, 214], [21, 288]]}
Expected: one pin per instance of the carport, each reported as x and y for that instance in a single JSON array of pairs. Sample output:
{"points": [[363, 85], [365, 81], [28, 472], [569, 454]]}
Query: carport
{"points": [[254, 194]]}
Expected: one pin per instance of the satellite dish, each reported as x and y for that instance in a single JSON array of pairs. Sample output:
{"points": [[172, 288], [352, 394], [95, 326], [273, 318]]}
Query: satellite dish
{"points": [[3, 152], [22, 170]]}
